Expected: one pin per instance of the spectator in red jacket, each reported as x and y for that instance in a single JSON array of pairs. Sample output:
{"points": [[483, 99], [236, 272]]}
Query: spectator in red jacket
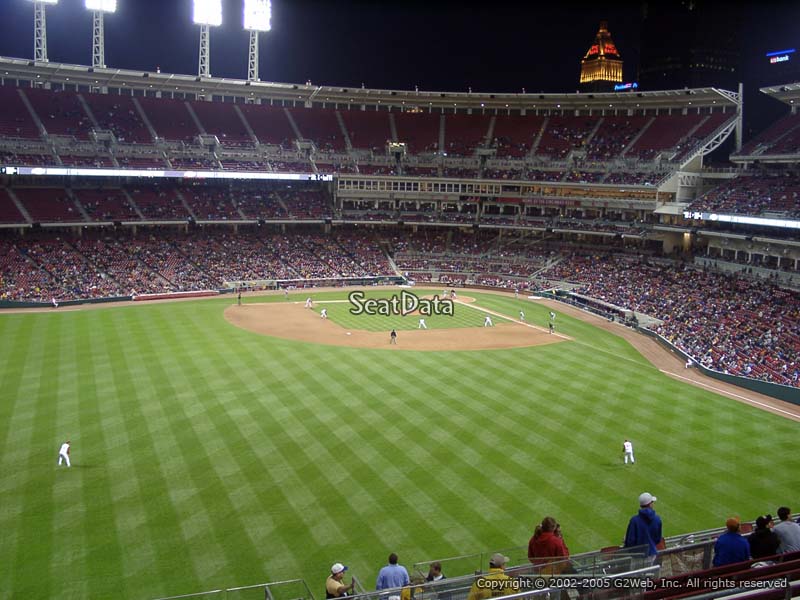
{"points": [[547, 545]]}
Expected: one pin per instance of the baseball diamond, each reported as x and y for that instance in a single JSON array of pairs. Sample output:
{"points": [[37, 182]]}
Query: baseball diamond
{"points": [[197, 442], [260, 337]]}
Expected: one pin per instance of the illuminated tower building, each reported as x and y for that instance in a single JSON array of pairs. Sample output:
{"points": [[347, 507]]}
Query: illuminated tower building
{"points": [[601, 68]]}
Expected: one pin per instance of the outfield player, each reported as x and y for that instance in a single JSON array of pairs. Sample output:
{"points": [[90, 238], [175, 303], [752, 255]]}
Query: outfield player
{"points": [[627, 450], [422, 324], [516, 294], [63, 453], [323, 314], [54, 302], [551, 326], [487, 322], [552, 316], [522, 316], [393, 337]]}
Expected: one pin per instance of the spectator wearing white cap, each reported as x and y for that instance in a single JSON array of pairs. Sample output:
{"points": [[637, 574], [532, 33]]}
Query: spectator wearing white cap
{"points": [[644, 528], [334, 585], [495, 583]]}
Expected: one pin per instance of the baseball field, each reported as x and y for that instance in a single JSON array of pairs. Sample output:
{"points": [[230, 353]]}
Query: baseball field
{"points": [[216, 445]]}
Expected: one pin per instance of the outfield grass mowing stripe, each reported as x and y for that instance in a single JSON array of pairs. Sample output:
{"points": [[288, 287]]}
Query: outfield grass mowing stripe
{"points": [[208, 536], [159, 549], [378, 465], [37, 520]]}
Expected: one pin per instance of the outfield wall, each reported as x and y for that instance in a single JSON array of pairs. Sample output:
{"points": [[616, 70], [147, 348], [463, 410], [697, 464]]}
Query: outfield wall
{"points": [[774, 390]]}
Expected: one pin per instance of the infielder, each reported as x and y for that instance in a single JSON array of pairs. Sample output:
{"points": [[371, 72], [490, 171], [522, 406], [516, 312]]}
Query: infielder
{"points": [[627, 449], [63, 453], [487, 322], [522, 316], [422, 324], [309, 302], [323, 314], [393, 337]]}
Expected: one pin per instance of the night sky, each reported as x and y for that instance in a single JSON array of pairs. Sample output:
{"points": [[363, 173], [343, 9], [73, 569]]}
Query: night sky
{"points": [[436, 45]]}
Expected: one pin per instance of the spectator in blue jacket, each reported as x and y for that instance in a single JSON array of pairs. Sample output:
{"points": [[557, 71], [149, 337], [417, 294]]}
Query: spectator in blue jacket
{"points": [[731, 546], [392, 575], [644, 528]]}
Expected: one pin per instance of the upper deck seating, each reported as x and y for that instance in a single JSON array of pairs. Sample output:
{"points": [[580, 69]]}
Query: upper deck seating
{"points": [[119, 114], [222, 120], [170, 119], [60, 112], [368, 130], [270, 124], [420, 131], [15, 120], [321, 126]]}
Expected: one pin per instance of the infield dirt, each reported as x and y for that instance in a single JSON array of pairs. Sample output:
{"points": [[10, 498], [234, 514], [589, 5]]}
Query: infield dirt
{"points": [[295, 322]]}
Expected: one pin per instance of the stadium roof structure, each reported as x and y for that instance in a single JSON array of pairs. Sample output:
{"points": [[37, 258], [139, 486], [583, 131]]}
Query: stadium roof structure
{"points": [[767, 152], [166, 84], [788, 93]]}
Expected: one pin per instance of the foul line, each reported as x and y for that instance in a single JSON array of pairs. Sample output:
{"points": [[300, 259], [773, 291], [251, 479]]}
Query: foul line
{"points": [[513, 320], [723, 392]]}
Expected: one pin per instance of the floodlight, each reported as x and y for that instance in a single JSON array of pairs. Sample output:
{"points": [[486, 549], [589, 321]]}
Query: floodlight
{"points": [[40, 29], [208, 12], [257, 15], [106, 6]]}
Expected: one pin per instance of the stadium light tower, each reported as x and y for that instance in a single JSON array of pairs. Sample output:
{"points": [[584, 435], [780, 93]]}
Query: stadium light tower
{"points": [[40, 29], [207, 13], [257, 18], [99, 8]]}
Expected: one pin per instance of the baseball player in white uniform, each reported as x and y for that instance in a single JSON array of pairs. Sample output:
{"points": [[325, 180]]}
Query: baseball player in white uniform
{"points": [[309, 302], [323, 314], [63, 453], [522, 316], [627, 448], [422, 324], [487, 322]]}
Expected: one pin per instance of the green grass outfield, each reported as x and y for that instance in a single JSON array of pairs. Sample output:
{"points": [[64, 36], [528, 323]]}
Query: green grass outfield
{"points": [[206, 456]]}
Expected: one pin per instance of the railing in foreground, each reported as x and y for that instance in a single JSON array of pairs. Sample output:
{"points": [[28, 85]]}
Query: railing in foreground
{"points": [[292, 589]]}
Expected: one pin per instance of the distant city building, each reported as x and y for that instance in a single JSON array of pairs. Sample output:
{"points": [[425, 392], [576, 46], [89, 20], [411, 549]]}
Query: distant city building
{"points": [[601, 67], [691, 43]]}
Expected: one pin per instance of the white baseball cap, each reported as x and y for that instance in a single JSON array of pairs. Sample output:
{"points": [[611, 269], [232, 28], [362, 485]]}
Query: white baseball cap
{"points": [[646, 498], [337, 568]]}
